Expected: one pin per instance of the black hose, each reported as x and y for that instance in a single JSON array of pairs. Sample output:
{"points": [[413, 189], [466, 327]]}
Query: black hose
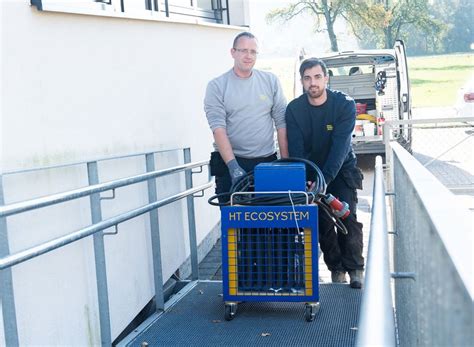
{"points": [[246, 184], [316, 193]]}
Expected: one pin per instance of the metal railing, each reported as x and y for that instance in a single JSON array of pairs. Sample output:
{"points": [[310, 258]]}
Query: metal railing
{"points": [[97, 230], [376, 319], [213, 13], [434, 140], [432, 245], [433, 242]]}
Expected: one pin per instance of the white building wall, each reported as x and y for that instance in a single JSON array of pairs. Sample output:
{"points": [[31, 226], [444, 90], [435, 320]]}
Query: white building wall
{"points": [[76, 87]]}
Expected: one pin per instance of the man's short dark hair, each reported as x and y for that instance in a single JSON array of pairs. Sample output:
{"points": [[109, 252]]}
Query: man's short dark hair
{"points": [[243, 34], [310, 63]]}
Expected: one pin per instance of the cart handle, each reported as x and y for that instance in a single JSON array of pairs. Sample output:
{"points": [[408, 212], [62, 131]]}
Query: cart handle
{"points": [[289, 192]]}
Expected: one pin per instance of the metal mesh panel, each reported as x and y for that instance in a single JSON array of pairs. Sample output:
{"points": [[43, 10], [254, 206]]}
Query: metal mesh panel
{"points": [[270, 261], [197, 320], [435, 309], [446, 151], [444, 147]]}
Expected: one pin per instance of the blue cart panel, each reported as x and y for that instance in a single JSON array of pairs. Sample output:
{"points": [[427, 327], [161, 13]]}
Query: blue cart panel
{"points": [[270, 253]]}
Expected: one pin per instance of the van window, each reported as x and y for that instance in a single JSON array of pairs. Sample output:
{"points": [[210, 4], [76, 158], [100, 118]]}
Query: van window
{"points": [[350, 70]]}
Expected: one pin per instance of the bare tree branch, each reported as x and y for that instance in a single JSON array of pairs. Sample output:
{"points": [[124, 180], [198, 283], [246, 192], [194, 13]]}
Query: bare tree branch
{"points": [[354, 31], [319, 9]]}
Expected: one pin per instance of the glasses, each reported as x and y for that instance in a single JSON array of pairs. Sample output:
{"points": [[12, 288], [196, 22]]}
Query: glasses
{"points": [[246, 51]]}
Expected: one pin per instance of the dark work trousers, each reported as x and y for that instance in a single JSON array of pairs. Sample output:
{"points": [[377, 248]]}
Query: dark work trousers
{"points": [[342, 252], [224, 182]]}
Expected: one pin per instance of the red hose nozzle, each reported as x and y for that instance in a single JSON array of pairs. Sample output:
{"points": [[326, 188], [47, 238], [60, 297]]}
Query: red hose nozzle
{"points": [[339, 208]]}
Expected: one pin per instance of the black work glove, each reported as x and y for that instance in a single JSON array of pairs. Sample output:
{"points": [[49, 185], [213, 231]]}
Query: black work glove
{"points": [[236, 172]]}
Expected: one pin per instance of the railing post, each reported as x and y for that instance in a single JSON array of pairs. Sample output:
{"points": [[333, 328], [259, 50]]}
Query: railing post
{"points": [[100, 266], [387, 130], [6, 284], [191, 218], [155, 236], [227, 11], [167, 8], [156, 6]]}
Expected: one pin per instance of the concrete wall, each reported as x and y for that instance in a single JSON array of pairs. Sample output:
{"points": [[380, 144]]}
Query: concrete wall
{"points": [[435, 242], [76, 87]]}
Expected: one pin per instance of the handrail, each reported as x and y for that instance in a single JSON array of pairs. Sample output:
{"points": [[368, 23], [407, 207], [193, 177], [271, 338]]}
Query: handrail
{"points": [[51, 245], [376, 320], [97, 231], [430, 120], [28, 205]]}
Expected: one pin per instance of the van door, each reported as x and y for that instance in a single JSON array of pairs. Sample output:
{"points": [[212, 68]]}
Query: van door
{"points": [[403, 89]]}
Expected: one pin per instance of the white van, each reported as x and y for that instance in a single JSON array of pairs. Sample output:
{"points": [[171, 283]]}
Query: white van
{"points": [[378, 82]]}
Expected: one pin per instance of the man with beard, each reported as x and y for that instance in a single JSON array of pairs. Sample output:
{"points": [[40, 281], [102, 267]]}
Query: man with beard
{"points": [[243, 107], [319, 126]]}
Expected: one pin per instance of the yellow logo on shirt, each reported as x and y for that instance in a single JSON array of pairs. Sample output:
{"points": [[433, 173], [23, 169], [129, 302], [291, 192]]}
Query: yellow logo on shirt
{"points": [[263, 97], [329, 127]]}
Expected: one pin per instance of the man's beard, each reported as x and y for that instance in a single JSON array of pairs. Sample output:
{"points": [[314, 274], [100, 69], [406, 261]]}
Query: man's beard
{"points": [[315, 93]]}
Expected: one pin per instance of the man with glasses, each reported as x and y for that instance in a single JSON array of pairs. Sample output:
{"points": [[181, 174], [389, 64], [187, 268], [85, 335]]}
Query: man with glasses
{"points": [[320, 124], [243, 107]]}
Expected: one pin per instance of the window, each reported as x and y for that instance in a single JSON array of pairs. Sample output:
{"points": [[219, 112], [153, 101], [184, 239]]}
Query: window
{"points": [[213, 11]]}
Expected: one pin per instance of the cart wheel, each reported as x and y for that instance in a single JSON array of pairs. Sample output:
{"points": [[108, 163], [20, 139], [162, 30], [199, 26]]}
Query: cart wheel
{"points": [[230, 311], [310, 311]]}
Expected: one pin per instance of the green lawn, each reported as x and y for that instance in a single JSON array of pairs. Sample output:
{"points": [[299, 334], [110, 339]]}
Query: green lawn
{"points": [[435, 80]]}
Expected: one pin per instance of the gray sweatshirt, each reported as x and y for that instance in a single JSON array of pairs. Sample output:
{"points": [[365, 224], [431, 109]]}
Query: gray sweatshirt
{"points": [[247, 108]]}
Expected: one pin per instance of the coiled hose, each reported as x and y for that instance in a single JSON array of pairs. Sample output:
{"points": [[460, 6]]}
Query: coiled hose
{"points": [[316, 193]]}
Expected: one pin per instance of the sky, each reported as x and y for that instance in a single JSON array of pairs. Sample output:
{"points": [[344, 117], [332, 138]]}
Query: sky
{"points": [[285, 40]]}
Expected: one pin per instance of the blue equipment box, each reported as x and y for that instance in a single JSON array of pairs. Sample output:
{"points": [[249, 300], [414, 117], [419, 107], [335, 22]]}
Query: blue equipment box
{"points": [[270, 253], [280, 177]]}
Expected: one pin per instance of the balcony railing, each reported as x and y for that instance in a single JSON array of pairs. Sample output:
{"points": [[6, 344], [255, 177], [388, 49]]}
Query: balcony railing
{"points": [[97, 230], [212, 11]]}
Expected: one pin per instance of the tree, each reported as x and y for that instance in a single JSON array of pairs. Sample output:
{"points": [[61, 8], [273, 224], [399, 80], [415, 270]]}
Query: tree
{"points": [[386, 19], [461, 32], [321, 10]]}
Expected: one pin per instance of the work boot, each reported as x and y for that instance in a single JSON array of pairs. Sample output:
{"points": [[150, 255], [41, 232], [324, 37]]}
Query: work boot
{"points": [[338, 276], [357, 277]]}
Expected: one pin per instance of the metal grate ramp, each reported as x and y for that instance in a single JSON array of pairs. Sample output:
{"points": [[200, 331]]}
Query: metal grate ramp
{"points": [[198, 320]]}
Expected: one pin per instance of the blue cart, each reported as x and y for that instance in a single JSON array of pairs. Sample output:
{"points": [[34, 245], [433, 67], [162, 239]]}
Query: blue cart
{"points": [[270, 253]]}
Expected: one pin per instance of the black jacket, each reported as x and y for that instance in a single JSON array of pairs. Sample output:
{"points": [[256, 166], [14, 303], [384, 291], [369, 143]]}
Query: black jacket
{"points": [[323, 133]]}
